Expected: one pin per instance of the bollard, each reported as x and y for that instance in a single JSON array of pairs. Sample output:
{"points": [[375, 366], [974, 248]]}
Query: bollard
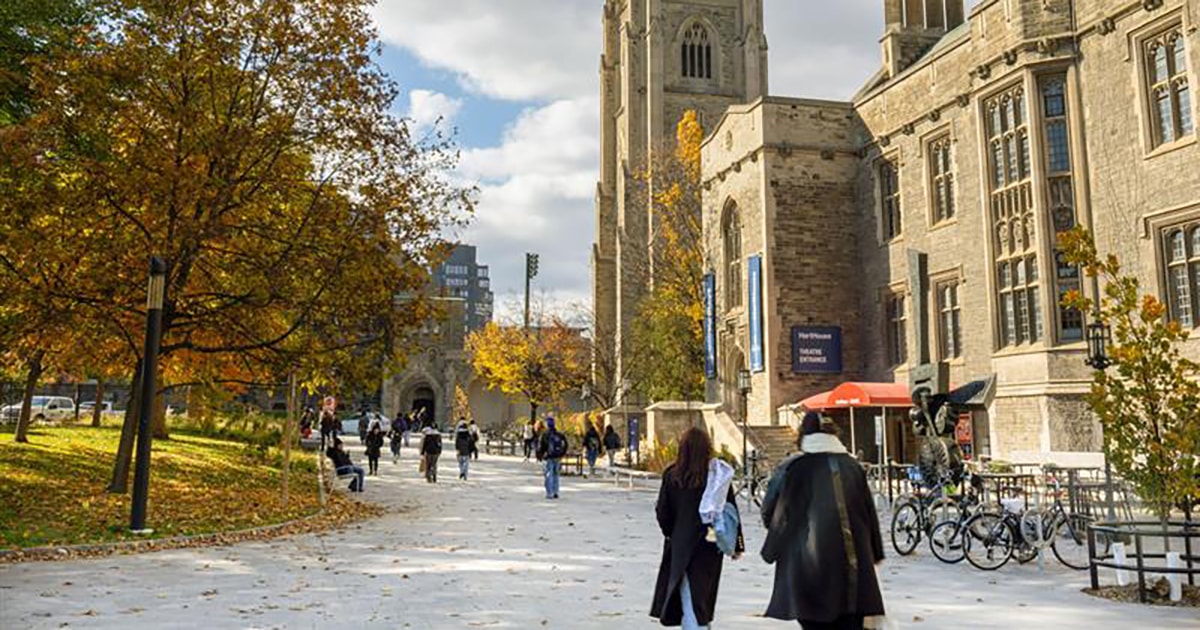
{"points": [[1118, 550], [1174, 579]]}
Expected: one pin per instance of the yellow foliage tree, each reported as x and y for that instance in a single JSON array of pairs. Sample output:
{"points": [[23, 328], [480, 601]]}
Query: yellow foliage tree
{"points": [[540, 366]]}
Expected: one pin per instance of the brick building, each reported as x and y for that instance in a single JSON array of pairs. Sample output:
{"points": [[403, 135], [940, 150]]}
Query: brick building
{"points": [[982, 135]]}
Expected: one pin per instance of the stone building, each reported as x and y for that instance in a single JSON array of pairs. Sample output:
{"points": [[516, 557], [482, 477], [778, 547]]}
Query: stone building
{"points": [[983, 135], [661, 58]]}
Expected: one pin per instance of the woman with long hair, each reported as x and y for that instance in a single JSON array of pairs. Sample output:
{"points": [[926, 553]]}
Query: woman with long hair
{"points": [[690, 572]]}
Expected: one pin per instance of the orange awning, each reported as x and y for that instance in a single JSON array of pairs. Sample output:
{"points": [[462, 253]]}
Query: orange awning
{"points": [[817, 402], [849, 395]]}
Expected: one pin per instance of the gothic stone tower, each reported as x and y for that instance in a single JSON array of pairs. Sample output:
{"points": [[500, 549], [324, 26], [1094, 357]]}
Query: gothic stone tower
{"points": [[661, 58]]}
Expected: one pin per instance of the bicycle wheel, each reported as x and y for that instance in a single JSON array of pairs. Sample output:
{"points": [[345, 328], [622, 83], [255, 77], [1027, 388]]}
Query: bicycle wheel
{"points": [[906, 527], [988, 541], [1070, 543], [945, 541], [941, 510]]}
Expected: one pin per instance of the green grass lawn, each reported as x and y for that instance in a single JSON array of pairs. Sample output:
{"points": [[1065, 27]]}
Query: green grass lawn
{"points": [[52, 490]]}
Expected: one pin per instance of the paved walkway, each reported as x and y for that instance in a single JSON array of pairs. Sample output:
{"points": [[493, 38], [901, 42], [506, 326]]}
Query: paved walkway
{"points": [[492, 553]]}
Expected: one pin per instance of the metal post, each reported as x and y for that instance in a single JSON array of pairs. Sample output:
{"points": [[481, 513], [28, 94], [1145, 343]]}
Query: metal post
{"points": [[141, 476], [745, 440]]}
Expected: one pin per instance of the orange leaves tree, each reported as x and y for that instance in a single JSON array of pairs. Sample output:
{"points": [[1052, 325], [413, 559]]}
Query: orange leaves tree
{"points": [[539, 365], [1148, 402], [250, 145], [668, 346]]}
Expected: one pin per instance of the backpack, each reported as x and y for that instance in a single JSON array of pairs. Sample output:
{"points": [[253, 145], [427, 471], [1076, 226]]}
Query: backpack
{"points": [[435, 444], [556, 445]]}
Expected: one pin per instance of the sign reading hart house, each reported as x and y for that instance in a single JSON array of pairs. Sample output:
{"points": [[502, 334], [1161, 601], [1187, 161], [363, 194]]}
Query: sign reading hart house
{"points": [[816, 349]]}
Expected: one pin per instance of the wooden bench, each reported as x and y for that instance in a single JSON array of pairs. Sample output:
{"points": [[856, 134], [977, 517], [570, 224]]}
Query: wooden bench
{"points": [[571, 465]]}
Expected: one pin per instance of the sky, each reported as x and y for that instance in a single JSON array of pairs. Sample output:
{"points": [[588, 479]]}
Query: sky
{"points": [[517, 82]]}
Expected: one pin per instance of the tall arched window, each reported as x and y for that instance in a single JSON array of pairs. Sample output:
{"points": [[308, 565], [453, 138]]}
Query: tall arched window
{"points": [[731, 233], [696, 53]]}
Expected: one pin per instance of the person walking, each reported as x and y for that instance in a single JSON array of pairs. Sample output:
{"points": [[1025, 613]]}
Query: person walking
{"points": [[431, 450], [529, 436], [689, 575], [552, 447], [363, 423], [343, 466], [822, 535], [328, 424], [462, 446], [396, 434], [374, 442], [612, 444], [591, 447], [306, 422], [474, 438]]}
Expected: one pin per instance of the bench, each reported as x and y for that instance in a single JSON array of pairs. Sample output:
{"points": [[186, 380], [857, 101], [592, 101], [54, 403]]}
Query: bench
{"points": [[630, 474], [311, 443], [572, 465]]}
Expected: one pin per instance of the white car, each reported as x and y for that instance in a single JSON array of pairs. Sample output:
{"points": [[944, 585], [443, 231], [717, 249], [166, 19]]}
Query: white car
{"points": [[42, 409], [87, 407]]}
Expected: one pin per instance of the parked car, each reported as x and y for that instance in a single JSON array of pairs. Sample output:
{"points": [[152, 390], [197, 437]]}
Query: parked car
{"points": [[42, 409], [86, 408]]}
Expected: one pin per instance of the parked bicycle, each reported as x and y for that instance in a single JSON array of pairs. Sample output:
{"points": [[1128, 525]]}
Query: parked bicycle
{"points": [[945, 539], [916, 514], [753, 487]]}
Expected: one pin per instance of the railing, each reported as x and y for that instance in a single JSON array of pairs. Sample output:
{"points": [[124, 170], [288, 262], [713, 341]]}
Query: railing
{"points": [[501, 446], [1103, 536]]}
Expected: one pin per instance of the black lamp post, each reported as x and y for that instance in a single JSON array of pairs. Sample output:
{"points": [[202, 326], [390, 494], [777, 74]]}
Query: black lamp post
{"points": [[744, 386], [155, 294], [1098, 337]]}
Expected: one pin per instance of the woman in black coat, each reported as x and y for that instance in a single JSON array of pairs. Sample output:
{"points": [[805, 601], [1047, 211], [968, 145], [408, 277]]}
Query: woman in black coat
{"points": [[823, 578], [686, 552]]}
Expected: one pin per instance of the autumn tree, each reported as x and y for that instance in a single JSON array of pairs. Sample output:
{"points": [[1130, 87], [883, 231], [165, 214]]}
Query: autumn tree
{"points": [[667, 331], [540, 365], [1148, 402], [250, 145]]}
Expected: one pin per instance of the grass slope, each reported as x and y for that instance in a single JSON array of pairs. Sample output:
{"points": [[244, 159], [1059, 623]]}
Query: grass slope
{"points": [[52, 490]]}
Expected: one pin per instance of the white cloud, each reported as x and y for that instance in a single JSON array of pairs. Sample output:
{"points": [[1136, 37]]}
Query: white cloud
{"points": [[426, 108], [513, 50]]}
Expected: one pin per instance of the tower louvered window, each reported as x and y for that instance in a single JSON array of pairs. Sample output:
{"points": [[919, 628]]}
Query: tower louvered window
{"points": [[1167, 83], [696, 53]]}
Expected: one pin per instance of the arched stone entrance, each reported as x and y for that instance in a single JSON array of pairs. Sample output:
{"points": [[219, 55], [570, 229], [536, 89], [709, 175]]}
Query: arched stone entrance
{"points": [[423, 398]]}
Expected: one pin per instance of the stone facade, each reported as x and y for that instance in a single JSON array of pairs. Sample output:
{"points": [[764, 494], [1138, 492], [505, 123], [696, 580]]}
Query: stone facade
{"points": [[1038, 115], [661, 58]]}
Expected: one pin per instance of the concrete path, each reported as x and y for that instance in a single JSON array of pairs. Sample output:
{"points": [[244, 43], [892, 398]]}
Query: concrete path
{"points": [[492, 553]]}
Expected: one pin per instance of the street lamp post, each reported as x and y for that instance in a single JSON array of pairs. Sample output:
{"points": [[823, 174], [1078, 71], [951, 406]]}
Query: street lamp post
{"points": [[155, 294], [1098, 338], [743, 385]]}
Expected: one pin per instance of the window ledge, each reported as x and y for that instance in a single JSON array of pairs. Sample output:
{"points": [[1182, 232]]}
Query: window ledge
{"points": [[1014, 351], [943, 224], [1164, 149], [896, 240]]}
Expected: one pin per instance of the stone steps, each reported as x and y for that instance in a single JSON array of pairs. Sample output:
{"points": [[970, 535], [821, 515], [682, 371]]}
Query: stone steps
{"points": [[777, 442]]}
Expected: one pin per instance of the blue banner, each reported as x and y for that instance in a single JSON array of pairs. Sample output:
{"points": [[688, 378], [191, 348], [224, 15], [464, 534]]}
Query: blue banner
{"points": [[710, 325], [816, 349], [634, 439], [757, 363]]}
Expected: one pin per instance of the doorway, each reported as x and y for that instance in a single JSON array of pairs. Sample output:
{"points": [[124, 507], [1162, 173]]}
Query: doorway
{"points": [[424, 401]]}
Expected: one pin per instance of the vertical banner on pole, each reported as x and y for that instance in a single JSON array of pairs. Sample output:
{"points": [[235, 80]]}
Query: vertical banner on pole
{"points": [[710, 325], [757, 363]]}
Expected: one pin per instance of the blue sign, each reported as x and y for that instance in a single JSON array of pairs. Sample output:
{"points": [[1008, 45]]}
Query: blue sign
{"points": [[816, 349], [757, 363], [710, 325], [635, 436]]}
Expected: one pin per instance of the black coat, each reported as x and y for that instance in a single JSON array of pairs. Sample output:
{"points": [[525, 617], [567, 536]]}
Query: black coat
{"points": [[821, 574], [463, 442], [374, 444], [685, 551]]}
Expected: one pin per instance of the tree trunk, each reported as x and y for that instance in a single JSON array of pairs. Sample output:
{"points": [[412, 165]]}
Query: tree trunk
{"points": [[34, 367], [76, 400], [97, 411], [289, 422], [158, 421], [120, 478]]}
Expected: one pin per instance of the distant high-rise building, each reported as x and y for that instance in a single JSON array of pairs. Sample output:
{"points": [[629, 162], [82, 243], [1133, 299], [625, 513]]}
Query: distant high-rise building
{"points": [[462, 276]]}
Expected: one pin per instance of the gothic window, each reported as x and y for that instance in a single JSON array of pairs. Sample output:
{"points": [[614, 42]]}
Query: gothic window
{"points": [[949, 321], [731, 233], [1060, 194], [696, 54], [941, 183], [1165, 60], [889, 200], [897, 335], [1181, 251], [1010, 204]]}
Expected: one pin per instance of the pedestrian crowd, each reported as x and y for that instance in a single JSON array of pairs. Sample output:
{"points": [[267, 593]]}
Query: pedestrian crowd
{"points": [[822, 530]]}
